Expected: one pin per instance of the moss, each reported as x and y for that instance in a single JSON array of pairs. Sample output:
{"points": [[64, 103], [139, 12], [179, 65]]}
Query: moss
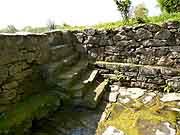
{"points": [[128, 118], [34, 107]]}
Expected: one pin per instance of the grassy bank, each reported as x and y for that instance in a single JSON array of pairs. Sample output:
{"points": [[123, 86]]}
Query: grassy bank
{"points": [[110, 25]]}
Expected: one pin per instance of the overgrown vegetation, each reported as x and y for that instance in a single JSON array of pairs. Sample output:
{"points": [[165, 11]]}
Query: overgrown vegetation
{"points": [[141, 13], [170, 6], [124, 8], [111, 25]]}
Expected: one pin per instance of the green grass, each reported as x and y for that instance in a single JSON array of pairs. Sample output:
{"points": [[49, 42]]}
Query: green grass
{"points": [[111, 25]]}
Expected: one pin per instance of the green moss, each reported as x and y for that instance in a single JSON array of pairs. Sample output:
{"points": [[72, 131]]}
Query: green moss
{"points": [[128, 118], [34, 107]]}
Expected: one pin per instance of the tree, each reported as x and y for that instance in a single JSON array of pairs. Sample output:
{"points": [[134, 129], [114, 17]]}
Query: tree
{"points": [[11, 29], [141, 11], [169, 6], [27, 29], [124, 8], [51, 25]]}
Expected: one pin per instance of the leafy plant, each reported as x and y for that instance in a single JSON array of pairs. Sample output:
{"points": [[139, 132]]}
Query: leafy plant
{"points": [[51, 25], [141, 10], [11, 29], [124, 8], [168, 88], [169, 6]]}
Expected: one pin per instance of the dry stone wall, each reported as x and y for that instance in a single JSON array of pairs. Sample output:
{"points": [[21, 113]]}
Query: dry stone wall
{"points": [[135, 47], [23, 55], [147, 44], [21, 59]]}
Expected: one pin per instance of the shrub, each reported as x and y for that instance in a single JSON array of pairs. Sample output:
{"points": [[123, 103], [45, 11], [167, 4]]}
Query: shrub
{"points": [[11, 29], [124, 8], [51, 25], [169, 6]]}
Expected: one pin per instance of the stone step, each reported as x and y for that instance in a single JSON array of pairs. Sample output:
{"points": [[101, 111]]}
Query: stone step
{"points": [[23, 113], [61, 51], [94, 94], [51, 69], [81, 84], [144, 76], [74, 71]]}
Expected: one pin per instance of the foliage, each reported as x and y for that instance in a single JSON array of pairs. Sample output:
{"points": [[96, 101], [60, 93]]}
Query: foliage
{"points": [[51, 25], [111, 25], [27, 29], [140, 20], [11, 29], [124, 7], [141, 11], [169, 6], [168, 88]]}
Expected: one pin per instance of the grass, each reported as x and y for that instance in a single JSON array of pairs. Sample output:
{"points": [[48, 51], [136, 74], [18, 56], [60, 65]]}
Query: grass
{"points": [[111, 25]]}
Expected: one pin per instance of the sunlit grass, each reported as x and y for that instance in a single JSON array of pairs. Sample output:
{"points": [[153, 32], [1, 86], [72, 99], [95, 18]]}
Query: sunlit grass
{"points": [[110, 25]]}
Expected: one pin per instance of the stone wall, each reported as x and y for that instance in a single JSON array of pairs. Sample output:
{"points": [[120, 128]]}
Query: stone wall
{"points": [[135, 47], [147, 44], [22, 57]]}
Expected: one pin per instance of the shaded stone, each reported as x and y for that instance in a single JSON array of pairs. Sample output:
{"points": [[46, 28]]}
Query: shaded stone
{"points": [[163, 34], [152, 27], [3, 73], [90, 32], [142, 34], [171, 25], [154, 43]]}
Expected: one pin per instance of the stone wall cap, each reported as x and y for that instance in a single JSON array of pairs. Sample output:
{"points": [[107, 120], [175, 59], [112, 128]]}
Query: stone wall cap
{"points": [[22, 34]]}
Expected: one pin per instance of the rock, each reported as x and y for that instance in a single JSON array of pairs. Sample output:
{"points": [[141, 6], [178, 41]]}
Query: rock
{"points": [[92, 40], [113, 96], [103, 117], [149, 71], [90, 32], [92, 76], [124, 100], [149, 97], [3, 73], [171, 25], [154, 43], [174, 82], [142, 34], [125, 43], [162, 61], [113, 131], [10, 85], [163, 34], [119, 36], [170, 97], [152, 27], [132, 93], [114, 88], [93, 98], [80, 37], [165, 129]]}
